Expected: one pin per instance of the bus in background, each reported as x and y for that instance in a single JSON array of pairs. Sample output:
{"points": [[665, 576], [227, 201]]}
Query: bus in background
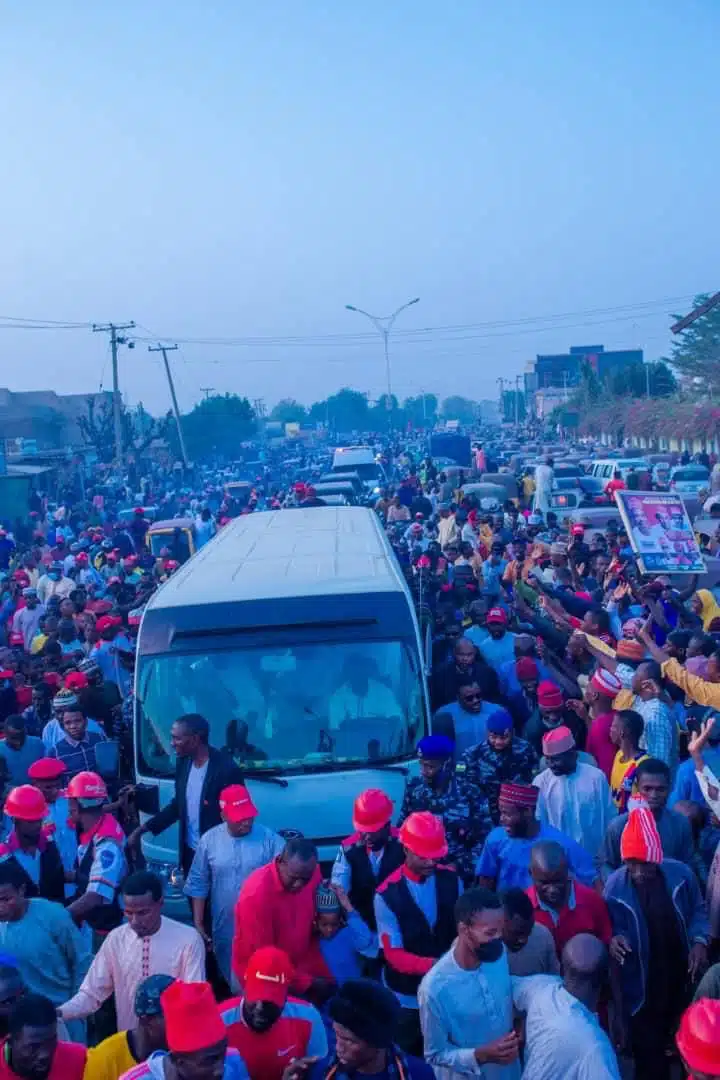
{"points": [[294, 634]]}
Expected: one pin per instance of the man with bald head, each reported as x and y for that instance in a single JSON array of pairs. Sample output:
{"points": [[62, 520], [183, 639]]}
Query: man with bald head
{"points": [[564, 906], [563, 1037]]}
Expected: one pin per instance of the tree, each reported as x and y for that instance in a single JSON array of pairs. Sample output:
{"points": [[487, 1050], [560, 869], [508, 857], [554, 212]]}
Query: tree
{"points": [[138, 427], [421, 411], [695, 351], [459, 408], [347, 410], [288, 411], [217, 426]]}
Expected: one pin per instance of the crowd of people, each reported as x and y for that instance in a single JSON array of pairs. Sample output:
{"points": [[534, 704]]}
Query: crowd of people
{"points": [[544, 902]]}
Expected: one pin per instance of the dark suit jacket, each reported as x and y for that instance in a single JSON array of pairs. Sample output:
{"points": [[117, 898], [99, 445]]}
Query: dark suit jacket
{"points": [[221, 772]]}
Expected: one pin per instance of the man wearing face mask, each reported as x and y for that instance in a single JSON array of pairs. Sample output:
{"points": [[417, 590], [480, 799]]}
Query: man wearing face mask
{"points": [[370, 854], [268, 1027], [465, 1001], [54, 584], [574, 797]]}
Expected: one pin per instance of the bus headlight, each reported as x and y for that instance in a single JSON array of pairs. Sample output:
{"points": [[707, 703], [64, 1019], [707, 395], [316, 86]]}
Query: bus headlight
{"points": [[171, 876]]}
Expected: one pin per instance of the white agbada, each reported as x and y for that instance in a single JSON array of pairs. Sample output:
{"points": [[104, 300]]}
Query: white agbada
{"points": [[579, 805]]}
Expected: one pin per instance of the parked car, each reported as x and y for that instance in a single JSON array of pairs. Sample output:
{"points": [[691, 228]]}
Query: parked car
{"points": [[689, 479]]}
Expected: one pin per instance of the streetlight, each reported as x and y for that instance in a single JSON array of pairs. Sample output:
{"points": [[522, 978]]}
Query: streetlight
{"points": [[384, 324]]}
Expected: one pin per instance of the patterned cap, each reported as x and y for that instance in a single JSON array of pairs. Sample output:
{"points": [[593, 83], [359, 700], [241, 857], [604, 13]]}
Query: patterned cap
{"points": [[558, 741], [640, 838], [326, 900], [63, 700], [519, 795], [630, 650], [605, 682], [496, 615], [147, 995]]}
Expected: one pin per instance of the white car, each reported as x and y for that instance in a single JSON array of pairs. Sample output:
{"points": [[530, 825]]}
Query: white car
{"points": [[689, 479]]}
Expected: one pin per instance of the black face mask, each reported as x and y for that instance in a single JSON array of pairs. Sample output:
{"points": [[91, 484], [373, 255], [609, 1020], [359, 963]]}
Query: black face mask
{"points": [[489, 951]]}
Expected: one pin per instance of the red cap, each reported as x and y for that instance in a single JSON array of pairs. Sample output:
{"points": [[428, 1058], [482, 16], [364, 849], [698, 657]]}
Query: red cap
{"points": [[558, 741], [423, 834], [526, 668], [268, 975], [698, 1037], [640, 838], [496, 615], [578, 530], [139, 510], [549, 695], [192, 1017], [26, 803], [87, 785], [46, 768], [371, 810], [75, 680], [53, 679], [81, 557], [519, 795], [104, 623], [236, 804]]}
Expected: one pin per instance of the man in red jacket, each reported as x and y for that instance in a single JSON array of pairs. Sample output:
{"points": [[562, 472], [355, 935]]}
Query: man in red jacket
{"points": [[32, 1051], [276, 907], [565, 907]]}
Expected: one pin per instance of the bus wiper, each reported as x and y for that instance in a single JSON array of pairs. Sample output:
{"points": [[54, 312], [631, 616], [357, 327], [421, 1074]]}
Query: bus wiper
{"points": [[388, 766], [269, 776]]}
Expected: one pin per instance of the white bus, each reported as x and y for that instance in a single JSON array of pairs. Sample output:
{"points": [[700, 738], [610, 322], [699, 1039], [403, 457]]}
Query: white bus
{"points": [[294, 634]]}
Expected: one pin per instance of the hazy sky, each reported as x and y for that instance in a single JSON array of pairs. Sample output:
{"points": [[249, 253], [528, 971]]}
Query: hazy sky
{"points": [[237, 169]]}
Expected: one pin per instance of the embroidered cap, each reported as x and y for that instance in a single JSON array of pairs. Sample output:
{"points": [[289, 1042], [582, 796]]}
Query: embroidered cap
{"points": [[268, 976]]}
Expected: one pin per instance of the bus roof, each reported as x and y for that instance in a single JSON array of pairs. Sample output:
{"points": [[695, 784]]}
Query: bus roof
{"points": [[318, 551]]}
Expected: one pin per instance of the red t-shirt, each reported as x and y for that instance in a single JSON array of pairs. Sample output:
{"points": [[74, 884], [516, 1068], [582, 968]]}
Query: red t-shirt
{"points": [[589, 915], [599, 745], [299, 1032]]}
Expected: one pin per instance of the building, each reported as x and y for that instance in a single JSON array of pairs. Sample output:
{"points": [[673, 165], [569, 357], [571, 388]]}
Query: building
{"points": [[563, 371], [49, 419]]}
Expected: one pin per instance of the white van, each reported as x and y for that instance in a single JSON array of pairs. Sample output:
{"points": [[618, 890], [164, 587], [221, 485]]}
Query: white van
{"points": [[360, 460], [605, 468]]}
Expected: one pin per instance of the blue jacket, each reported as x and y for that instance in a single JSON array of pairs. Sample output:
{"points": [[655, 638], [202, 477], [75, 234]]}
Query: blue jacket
{"points": [[627, 919]]}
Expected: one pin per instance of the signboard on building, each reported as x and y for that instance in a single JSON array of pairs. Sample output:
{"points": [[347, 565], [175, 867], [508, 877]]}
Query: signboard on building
{"points": [[660, 532]]}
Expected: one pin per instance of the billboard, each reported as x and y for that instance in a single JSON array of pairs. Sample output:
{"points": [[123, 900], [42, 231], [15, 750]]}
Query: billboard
{"points": [[660, 532]]}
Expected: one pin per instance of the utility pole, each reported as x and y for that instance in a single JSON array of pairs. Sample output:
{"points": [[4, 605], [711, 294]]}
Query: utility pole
{"points": [[206, 390], [501, 384], [517, 401], [165, 349], [384, 324], [115, 340]]}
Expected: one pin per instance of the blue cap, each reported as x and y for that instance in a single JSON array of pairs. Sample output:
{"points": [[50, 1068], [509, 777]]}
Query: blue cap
{"points": [[435, 746], [499, 722], [147, 995]]}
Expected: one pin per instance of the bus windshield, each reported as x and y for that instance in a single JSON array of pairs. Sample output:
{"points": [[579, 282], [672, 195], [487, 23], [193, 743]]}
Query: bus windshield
{"points": [[305, 707]]}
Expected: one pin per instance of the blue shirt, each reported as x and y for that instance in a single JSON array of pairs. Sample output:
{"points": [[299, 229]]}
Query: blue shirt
{"points": [[686, 784], [19, 761], [470, 728], [496, 652], [506, 859]]}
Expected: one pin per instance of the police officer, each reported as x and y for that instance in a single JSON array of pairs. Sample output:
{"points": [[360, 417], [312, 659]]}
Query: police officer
{"points": [[101, 864], [370, 854], [444, 789]]}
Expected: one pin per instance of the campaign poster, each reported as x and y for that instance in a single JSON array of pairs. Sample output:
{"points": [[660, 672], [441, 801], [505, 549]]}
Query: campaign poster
{"points": [[660, 532]]}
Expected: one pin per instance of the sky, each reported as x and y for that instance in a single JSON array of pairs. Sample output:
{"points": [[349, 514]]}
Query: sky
{"points": [[539, 175]]}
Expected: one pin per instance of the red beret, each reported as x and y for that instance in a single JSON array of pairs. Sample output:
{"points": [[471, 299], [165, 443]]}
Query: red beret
{"points": [[549, 695], [46, 768]]}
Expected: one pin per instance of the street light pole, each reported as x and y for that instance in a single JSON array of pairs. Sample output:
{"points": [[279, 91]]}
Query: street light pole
{"points": [[384, 324]]}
